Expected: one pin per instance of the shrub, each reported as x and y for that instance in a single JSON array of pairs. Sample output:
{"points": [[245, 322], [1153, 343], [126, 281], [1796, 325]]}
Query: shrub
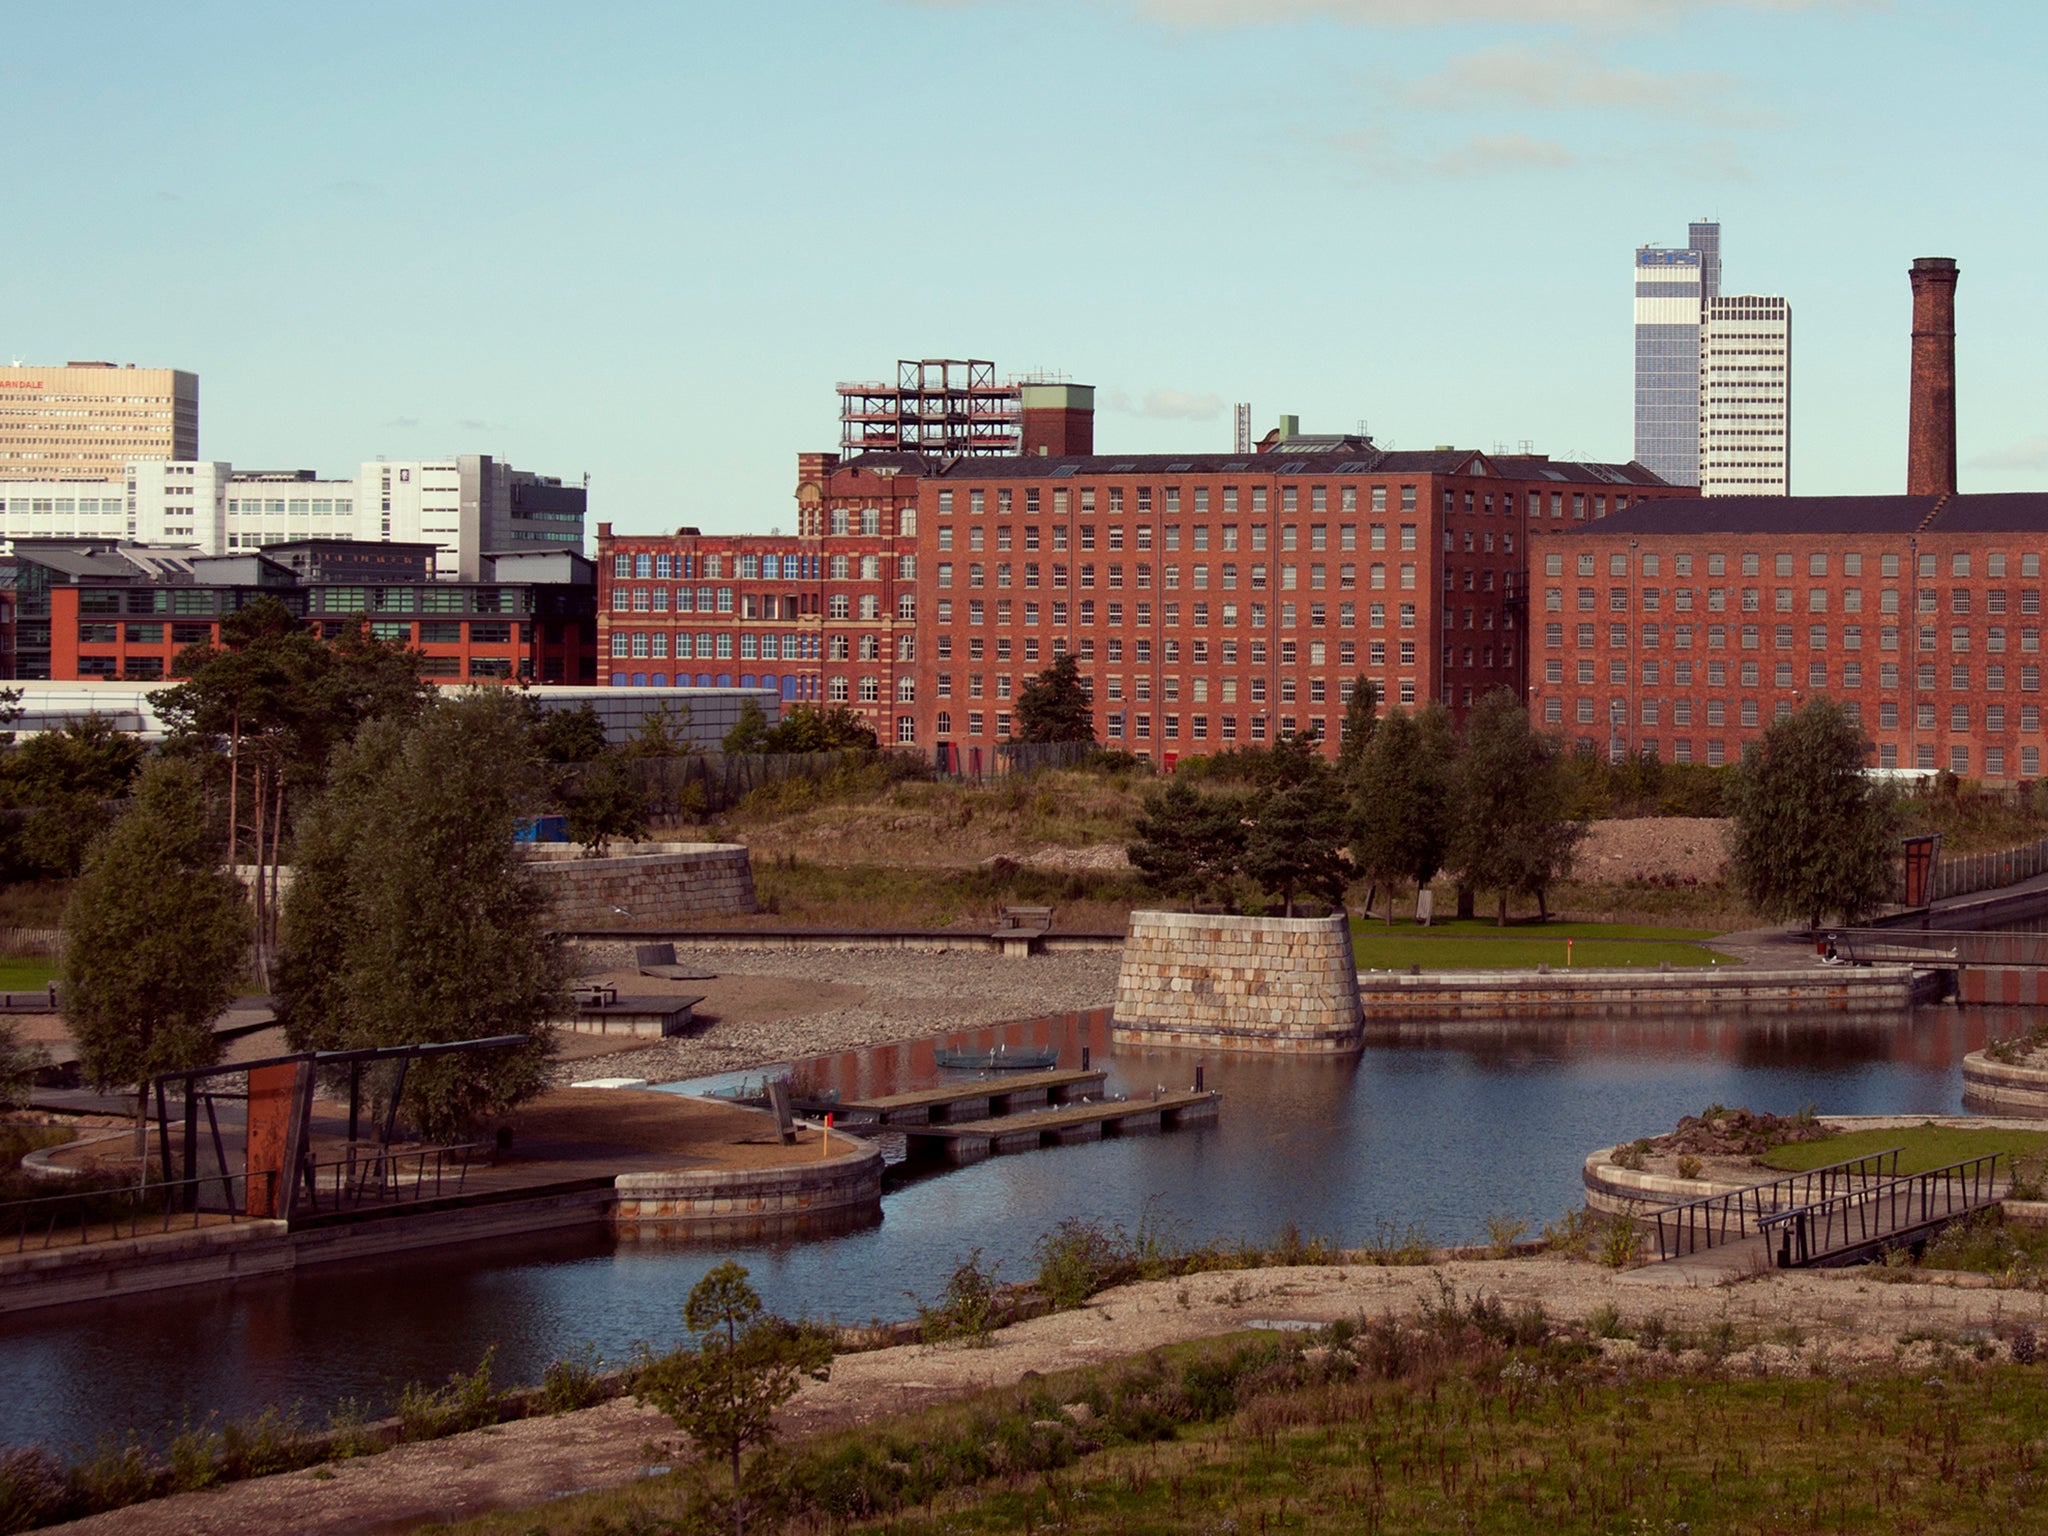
{"points": [[1689, 1167], [1632, 1155], [1604, 1321], [567, 1385], [1390, 1244], [1078, 1258], [466, 1402], [1621, 1244], [33, 1488], [1503, 1230], [970, 1307]]}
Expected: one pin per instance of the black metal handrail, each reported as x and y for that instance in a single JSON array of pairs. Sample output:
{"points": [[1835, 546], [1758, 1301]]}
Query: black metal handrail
{"points": [[1694, 1225], [373, 1174], [123, 1210], [1856, 1218], [1940, 946]]}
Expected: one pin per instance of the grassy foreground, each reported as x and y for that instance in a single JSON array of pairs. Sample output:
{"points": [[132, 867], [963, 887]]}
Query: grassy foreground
{"points": [[26, 973], [1468, 944], [1467, 1418]]}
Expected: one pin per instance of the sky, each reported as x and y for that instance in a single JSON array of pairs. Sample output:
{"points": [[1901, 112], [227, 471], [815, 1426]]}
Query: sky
{"points": [[643, 242]]}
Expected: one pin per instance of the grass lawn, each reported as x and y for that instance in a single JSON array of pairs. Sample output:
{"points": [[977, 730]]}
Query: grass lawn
{"points": [[1477, 945], [1925, 1147], [26, 973]]}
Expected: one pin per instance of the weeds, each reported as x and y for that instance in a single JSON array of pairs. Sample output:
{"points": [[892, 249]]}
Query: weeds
{"points": [[1503, 1230], [1689, 1167], [465, 1402], [1621, 1245], [572, 1383], [970, 1307], [1393, 1244]]}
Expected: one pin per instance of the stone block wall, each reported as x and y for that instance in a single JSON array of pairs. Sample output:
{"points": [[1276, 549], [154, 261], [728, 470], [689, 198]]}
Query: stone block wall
{"points": [[1238, 983], [651, 886]]}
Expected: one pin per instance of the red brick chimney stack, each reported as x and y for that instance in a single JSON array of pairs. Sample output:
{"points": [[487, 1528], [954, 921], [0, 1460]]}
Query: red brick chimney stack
{"points": [[1931, 438]]}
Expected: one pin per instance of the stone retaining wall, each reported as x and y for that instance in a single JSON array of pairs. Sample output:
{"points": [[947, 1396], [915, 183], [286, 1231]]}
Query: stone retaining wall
{"points": [[645, 885], [1238, 983], [1525, 994], [835, 1193], [2006, 1088]]}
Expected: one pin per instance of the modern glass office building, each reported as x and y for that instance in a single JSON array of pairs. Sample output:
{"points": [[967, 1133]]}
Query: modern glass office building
{"points": [[1670, 290]]}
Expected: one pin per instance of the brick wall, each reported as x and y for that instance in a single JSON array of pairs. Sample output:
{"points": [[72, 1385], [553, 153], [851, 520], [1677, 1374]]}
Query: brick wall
{"points": [[1238, 983], [649, 885]]}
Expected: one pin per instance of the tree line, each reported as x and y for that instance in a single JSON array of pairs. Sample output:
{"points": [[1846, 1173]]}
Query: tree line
{"points": [[1408, 797]]}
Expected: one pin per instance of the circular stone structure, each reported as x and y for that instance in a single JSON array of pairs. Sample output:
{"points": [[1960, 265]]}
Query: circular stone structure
{"points": [[2005, 1087], [1282, 984]]}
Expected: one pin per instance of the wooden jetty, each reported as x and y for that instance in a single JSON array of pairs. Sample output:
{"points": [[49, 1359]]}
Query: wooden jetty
{"points": [[955, 1102], [969, 1141]]}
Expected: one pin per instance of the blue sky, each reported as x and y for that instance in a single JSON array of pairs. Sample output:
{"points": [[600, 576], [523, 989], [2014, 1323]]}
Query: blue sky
{"points": [[644, 241]]}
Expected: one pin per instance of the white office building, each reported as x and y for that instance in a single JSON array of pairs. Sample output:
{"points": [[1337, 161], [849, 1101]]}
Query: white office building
{"points": [[468, 506], [1746, 397]]}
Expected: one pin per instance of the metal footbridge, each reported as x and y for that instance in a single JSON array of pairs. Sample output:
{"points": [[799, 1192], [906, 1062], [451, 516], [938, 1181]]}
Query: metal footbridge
{"points": [[1843, 1213]]}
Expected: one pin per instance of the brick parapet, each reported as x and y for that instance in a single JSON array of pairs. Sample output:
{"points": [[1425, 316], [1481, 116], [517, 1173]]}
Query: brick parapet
{"points": [[1238, 983]]}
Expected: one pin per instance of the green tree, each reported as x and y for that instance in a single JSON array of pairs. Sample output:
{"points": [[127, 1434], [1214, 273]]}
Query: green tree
{"points": [[1057, 704], [603, 802], [1361, 720], [19, 1062], [156, 939], [1514, 834], [747, 1363], [1813, 835], [566, 735], [413, 919], [1401, 817], [749, 733], [1189, 844], [663, 733], [810, 728], [1295, 842], [67, 781]]}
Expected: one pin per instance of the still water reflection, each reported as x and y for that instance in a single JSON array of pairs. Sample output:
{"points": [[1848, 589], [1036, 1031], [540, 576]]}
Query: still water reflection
{"points": [[1437, 1125]]}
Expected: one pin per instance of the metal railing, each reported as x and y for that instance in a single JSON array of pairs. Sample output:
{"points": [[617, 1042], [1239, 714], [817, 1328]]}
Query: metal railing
{"points": [[1696, 1225], [1853, 1219], [128, 1210], [372, 1174]]}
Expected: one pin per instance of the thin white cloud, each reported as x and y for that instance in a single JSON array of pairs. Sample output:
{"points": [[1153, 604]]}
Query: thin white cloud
{"points": [[1168, 405], [2028, 455], [1555, 79], [1379, 156], [1437, 13]]}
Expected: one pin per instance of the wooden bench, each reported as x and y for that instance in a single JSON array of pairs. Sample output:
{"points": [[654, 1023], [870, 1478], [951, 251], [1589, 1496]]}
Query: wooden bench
{"points": [[1022, 930]]}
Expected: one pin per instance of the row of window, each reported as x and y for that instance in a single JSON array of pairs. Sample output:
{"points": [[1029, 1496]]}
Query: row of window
{"points": [[431, 632], [1996, 563], [1783, 599], [1006, 575], [1227, 614], [1223, 537], [1994, 719], [1996, 760], [1254, 499], [1995, 638], [1119, 726], [1715, 674]]}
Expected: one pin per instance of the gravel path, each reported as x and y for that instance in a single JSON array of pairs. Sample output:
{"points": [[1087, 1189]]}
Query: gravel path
{"points": [[771, 1006]]}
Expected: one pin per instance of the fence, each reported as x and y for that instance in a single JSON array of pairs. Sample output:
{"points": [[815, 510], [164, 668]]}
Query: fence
{"points": [[1960, 874], [82, 1216], [31, 941]]}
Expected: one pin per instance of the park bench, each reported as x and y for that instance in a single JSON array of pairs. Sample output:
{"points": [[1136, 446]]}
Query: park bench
{"points": [[1022, 929]]}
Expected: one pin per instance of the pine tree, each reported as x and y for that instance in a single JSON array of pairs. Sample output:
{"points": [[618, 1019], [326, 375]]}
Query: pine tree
{"points": [[1056, 705], [1189, 844], [156, 939]]}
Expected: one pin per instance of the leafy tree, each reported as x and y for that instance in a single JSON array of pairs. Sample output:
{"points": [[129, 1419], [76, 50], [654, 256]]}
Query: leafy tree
{"points": [[1189, 844], [747, 1363], [156, 937], [278, 701], [749, 733], [1057, 704], [1295, 843], [411, 917], [664, 732], [1514, 834], [19, 1062], [67, 781], [603, 802], [810, 728], [1401, 819], [566, 735], [1361, 720], [1812, 834]]}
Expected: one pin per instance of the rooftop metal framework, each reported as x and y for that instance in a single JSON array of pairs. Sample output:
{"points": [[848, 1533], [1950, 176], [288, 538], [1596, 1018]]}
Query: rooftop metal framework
{"points": [[943, 405]]}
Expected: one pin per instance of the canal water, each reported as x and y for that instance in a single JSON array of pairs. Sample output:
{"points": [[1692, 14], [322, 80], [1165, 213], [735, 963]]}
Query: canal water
{"points": [[1434, 1126]]}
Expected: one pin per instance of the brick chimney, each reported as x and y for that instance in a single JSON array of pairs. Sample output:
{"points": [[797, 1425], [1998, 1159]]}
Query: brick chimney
{"points": [[1931, 437]]}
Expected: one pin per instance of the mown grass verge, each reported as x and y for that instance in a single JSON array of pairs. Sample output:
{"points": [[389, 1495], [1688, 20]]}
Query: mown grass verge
{"points": [[1924, 1147], [1472, 952]]}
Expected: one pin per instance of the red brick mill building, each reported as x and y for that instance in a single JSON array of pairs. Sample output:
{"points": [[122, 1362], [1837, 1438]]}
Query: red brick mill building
{"points": [[1212, 599]]}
